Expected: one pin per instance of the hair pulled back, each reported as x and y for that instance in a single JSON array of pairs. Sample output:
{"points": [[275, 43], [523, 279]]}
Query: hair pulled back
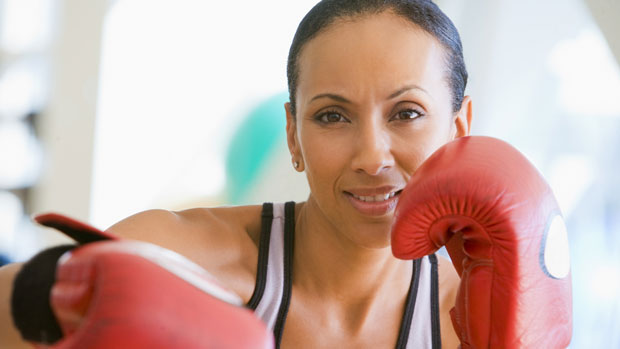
{"points": [[423, 13]]}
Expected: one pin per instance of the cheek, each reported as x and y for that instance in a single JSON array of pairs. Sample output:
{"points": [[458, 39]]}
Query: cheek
{"points": [[409, 153], [441, 136], [325, 157], [412, 148]]}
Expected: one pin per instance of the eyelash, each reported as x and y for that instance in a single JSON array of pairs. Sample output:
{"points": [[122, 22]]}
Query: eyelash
{"points": [[409, 110], [321, 116]]}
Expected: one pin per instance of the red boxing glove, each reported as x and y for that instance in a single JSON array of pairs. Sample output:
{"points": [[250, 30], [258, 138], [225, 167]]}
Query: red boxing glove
{"points": [[505, 234], [138, 295]]}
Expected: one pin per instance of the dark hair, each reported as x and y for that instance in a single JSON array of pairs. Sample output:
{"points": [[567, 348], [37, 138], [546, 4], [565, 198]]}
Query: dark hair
{"points": [[424, 13]]}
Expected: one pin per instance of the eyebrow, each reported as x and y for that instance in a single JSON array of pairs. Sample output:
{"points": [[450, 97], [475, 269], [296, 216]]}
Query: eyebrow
{"points": [[405, 89], [335, 97], [395, 94]]}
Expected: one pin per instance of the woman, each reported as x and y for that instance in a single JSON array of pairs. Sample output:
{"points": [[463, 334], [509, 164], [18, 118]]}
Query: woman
{"points": [[375, 87]]}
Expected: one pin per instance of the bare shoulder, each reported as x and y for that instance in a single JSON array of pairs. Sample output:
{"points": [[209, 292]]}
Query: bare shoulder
{"points": [[222, 240], [171, 228], [449, 281]]}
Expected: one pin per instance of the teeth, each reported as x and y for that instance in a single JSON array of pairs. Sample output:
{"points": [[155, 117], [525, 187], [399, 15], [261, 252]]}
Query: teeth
{"points": [[375, 198]]}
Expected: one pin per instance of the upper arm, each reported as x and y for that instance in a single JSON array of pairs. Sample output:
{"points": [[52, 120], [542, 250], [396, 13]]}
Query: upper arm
{"points": [[173, 231], [448, 286], [9, 336], [214, 238], [150, 226], [198, 234]]}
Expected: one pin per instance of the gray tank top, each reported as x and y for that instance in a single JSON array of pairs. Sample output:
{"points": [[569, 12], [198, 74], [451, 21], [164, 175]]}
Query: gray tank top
{"points": [[272, 294]]}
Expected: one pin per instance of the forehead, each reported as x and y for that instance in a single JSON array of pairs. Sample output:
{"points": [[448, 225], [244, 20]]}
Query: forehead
{"points": [[372, 53]]}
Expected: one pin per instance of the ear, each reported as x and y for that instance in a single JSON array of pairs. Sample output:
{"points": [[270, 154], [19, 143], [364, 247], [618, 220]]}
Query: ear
{"points": [[291, 131], [462, 119]]}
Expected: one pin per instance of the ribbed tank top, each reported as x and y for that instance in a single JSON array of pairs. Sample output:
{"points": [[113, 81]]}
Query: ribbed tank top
{"points": [[272, 293]]}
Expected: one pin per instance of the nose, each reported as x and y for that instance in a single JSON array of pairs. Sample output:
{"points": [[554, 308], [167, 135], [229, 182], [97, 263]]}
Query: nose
{"points": [[373, 153]]}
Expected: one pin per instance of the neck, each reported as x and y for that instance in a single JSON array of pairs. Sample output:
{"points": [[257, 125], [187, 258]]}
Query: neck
{"points": [[329, 265]]}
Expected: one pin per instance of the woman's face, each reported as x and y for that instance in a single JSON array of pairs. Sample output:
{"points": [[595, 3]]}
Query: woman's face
{"points": [[372, 104]]}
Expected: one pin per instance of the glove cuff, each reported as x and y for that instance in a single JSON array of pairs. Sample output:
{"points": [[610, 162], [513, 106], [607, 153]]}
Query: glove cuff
{"points": [[30, 300]]}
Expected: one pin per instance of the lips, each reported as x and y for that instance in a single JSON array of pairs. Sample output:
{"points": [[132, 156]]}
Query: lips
{"points": [[375, 198], [374, 201]]}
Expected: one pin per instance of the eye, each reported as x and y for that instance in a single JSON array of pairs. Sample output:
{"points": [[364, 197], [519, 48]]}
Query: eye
{"points": [[330, 117], [407, 114]]}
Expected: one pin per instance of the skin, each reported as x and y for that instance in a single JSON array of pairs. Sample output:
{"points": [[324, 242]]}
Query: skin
{"points": [[372, 106], [382, 80]]}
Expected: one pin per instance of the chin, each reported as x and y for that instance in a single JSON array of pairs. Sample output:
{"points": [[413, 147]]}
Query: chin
{"points": [[372, 237]]}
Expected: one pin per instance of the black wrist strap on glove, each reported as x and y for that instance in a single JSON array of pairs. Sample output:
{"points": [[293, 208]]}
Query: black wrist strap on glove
{"points": [[30, 300]]}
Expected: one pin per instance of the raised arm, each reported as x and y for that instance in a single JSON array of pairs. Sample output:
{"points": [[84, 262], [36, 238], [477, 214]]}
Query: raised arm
{"points": [[203, 236]]}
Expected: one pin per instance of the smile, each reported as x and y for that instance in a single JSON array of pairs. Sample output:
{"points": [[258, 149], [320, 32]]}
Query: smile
{"points": [[374, 202], [375, 198]]}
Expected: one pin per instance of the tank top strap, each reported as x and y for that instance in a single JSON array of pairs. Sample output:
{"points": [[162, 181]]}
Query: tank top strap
{"points": [[272, 290], [272, 293], [422, 312]]}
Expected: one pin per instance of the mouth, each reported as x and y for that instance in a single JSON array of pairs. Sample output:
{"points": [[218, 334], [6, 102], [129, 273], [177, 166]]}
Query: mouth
{"points": [[374, 202], [376, 198]]}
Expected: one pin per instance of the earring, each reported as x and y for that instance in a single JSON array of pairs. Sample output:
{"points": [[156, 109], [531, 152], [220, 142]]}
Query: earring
{"points": [[297, 163]]}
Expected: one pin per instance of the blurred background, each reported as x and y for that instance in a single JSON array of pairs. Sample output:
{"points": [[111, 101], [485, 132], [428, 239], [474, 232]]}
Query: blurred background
{"points": [[108, 108]]}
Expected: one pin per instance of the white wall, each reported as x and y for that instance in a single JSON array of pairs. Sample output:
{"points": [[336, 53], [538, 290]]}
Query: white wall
{"points": [[67, 126], [177, 77]]}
